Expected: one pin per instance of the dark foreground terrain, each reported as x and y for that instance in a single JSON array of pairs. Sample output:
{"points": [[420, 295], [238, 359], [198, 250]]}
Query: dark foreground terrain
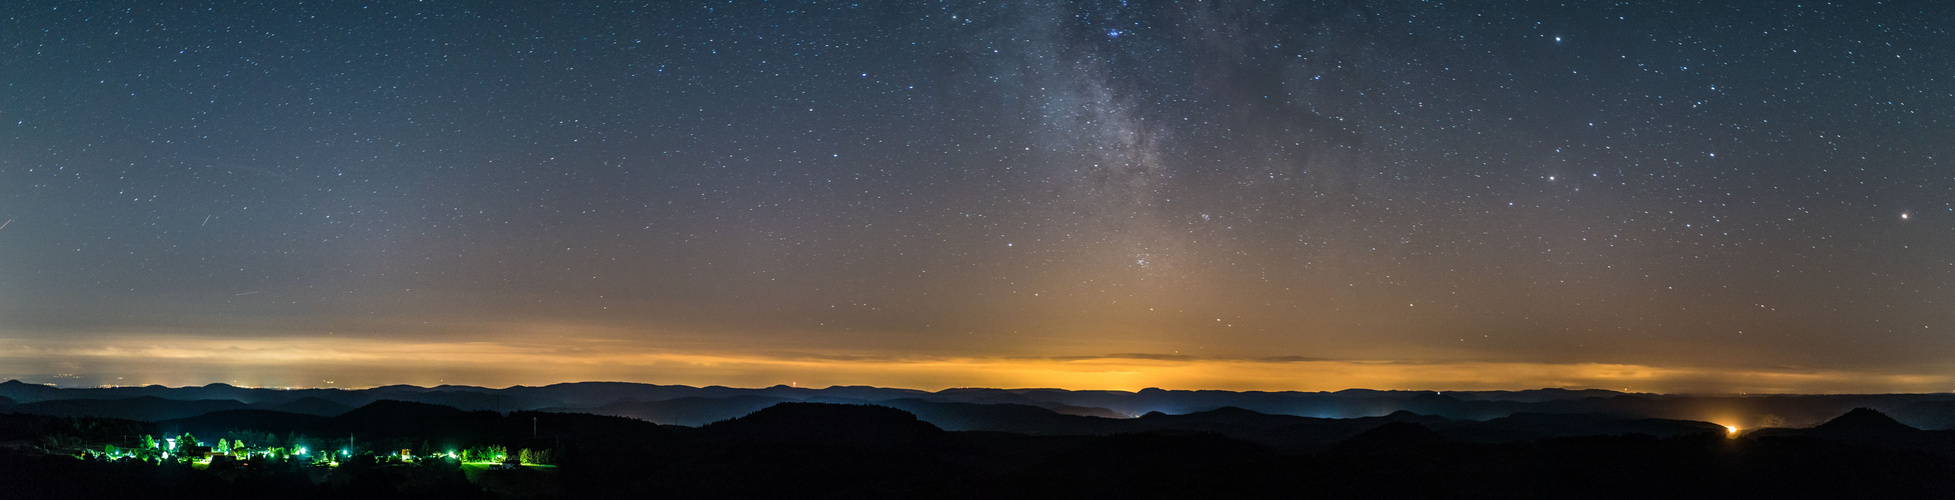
{"points": [[823, 450]]}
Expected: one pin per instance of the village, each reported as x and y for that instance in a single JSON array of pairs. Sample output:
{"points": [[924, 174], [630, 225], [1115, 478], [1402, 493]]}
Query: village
{"points": [[318, 456]]}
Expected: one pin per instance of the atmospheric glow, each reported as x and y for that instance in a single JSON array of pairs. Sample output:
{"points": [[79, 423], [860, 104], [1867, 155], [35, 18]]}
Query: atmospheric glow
{"points": [[367, 363], [1226, 194]]}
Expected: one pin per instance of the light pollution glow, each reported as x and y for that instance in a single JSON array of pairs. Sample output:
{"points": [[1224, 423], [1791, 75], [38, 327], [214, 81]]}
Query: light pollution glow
{"points": [[366, 363], [1077, 194]]}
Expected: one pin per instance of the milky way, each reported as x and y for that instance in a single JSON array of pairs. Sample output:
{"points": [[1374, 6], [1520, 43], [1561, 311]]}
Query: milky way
{"points": [[1666, 196]]}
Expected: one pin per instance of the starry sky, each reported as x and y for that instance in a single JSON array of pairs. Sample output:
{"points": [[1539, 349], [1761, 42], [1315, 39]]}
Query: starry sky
{"points": [[1664, 196]]}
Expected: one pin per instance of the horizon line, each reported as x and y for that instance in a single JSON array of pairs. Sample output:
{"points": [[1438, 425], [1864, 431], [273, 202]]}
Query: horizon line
{"points": [[19, 380]]}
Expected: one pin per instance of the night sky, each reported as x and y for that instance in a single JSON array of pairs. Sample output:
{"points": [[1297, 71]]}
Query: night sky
{"points": [[1651, 196]]}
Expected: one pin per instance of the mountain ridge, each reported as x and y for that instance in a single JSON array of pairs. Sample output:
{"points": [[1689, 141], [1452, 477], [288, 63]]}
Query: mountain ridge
{"points": [[694, 406]]}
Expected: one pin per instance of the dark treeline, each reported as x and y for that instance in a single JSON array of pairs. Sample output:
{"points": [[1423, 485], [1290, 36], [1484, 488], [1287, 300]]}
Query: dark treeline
{"points": [[815, 450]]}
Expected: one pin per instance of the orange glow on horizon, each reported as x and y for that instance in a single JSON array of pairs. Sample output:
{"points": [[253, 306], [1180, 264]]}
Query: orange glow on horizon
{"points": [[368, 362]]}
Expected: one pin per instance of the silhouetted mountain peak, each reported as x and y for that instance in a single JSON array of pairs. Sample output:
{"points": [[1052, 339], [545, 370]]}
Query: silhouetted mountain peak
{"points": [[1393, 438], [262, 420], [475, 388], [28, 392], [1362, 392], [396, 409], [828, 414], [407, 419], [1231, 412], [975, 390], [689, 411], [311, 405], [1864, 420], [402, 387], [869, 426], [148, 408]]}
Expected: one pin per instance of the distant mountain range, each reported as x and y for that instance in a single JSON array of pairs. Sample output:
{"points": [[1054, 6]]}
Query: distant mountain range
{"points": [[615, 440], [977, 408]]}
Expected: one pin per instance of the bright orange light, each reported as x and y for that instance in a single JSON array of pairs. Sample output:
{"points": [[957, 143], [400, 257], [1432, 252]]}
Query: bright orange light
{"points": [[1731, 429]]}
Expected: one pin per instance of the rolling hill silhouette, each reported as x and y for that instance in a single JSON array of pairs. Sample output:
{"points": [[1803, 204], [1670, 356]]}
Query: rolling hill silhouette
{"points": [[1868, 427], [855, 426], [1926, 411], [389, 419], [147, 408], [312, 406], [1393, 438], [689, 411], [802, 449], [1863, 422], [258, 420]]}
